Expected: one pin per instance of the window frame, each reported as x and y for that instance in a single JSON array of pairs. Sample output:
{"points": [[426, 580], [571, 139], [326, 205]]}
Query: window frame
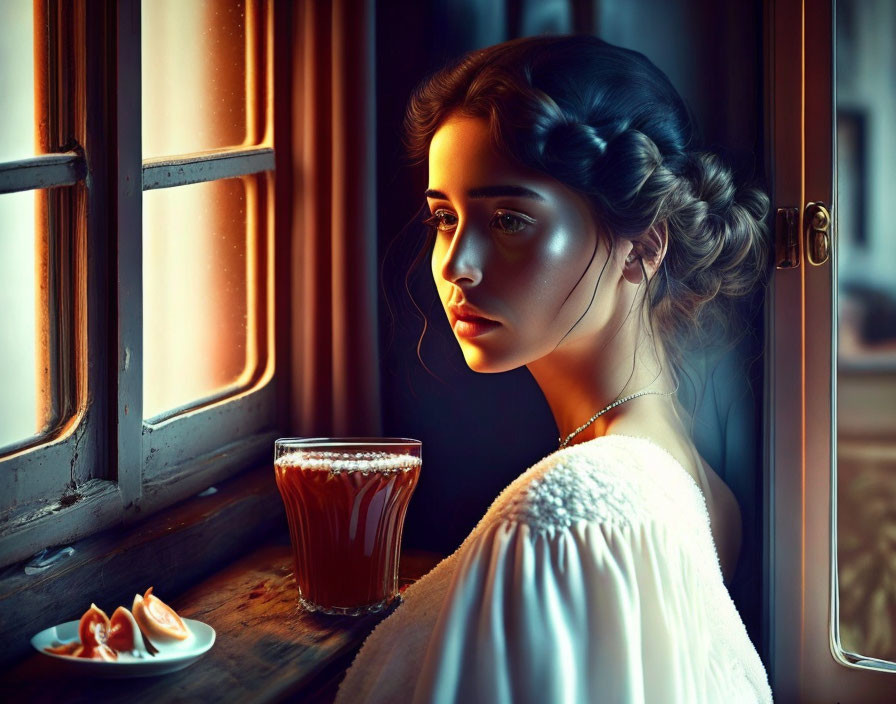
{"points": [[104, 464], [801, 628]]}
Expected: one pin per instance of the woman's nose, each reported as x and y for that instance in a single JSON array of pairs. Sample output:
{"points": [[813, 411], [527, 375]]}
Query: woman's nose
{"points": [[462, 260]]}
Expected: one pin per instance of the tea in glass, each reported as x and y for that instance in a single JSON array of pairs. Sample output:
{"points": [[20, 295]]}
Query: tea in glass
{"points": [[346, 500]]}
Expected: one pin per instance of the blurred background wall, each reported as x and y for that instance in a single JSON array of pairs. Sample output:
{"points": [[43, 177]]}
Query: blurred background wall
{"points": [[481, 431]]}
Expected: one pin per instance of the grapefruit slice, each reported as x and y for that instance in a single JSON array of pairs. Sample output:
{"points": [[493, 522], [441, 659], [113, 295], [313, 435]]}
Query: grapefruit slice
{"points": [[104, 652], [158, 621], [99, 652], [123, 630], [93, 627], [64, 649]]}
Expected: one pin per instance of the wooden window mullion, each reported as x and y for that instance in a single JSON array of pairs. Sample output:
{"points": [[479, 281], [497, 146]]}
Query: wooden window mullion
{"points": [[60, 485], [42, 171], [219, 164], [127, 194]]}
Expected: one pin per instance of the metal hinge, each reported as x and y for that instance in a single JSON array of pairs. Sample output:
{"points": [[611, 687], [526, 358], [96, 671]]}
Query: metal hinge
{"points": [[817, 226], [787, 238]]}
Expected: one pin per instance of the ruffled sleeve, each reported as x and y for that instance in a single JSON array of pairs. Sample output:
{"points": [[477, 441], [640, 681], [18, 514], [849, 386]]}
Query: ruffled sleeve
{"points": [[589, 612], [592, 578]]}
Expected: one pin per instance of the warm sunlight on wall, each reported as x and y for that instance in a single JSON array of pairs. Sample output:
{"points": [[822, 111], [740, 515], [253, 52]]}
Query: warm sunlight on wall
{"points": [[18, 308], [16, 79], [195, 299], [194, 75], [18, 295], [199, 239]]}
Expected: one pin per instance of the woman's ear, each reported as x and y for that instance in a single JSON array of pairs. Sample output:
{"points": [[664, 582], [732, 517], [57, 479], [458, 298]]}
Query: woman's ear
{"points": [[646, 254]]}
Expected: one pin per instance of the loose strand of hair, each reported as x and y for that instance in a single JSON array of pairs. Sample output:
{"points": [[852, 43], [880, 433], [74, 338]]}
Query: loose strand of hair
{"points": [[596, 285], [411, 270]]}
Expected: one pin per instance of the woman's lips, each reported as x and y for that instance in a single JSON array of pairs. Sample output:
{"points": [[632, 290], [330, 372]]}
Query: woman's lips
{"points": [[473, 327]]}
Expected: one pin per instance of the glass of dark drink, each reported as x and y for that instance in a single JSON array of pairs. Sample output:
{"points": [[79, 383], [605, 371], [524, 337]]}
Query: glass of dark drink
{"points": [[346, 500]]}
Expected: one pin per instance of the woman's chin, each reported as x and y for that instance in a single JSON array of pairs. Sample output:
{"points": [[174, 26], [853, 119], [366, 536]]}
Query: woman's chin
{"points": [[486, 364]]}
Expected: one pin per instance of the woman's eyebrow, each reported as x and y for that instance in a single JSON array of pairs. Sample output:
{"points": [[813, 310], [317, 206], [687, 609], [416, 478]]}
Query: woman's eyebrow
{"points": [[491, 192]]}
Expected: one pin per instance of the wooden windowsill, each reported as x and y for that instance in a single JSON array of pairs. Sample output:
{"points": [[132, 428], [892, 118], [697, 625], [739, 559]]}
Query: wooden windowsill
{"points": [[170, 550], [267, 649], [204, 556]]}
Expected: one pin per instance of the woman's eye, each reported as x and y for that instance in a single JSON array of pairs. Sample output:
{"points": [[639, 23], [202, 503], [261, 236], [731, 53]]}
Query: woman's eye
{"points": [[503, 221], [438, 222], [510, 222]]}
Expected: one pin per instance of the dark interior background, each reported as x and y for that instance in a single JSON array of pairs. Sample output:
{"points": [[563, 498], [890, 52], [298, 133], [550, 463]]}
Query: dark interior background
{"points": [[481, 431]]}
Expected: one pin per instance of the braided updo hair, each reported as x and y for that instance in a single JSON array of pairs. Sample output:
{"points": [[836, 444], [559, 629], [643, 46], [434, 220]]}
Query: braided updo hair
{"points": [[606, 122]]}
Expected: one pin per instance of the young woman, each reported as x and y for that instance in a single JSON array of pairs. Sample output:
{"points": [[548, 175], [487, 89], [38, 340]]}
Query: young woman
{"points": [[576, 230]]}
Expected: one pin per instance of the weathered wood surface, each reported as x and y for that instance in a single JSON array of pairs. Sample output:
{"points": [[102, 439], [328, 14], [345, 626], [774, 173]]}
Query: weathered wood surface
{"points": [[267, 649], [172, 550]]}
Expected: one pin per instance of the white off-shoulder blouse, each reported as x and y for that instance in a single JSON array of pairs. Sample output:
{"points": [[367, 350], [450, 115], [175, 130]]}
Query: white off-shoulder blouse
{"points": [[593, 577]]}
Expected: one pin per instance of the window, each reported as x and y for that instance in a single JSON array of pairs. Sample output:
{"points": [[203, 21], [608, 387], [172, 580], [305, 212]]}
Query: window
{"points": [[865, 477], [139, 273], [826, 638]]}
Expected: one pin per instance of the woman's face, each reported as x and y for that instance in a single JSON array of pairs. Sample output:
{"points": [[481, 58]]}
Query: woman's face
{"points": [[515, 245]]}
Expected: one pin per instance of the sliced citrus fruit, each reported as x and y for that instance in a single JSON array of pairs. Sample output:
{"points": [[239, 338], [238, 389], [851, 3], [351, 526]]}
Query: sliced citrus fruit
{"points": [[64, 649], [99, 652], [123, 630], [104, 652], [94, 627], [158, 621]]}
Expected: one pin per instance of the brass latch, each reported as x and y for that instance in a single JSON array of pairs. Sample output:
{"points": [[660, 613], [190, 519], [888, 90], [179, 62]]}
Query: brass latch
{"points": [[787, 239], [818, 237]]}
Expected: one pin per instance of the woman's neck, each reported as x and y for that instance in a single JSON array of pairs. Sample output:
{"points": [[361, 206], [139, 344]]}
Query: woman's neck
{"points": [[585, 375]]}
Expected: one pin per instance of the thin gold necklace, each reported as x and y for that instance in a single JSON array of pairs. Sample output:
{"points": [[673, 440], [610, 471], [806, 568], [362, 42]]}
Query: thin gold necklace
{"points": [[564, 443]]}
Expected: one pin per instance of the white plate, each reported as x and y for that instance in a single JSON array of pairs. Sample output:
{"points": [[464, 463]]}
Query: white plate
{"points": [[170, 657]]}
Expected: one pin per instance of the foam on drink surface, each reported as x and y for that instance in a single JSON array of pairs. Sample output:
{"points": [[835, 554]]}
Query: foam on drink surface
{"points": [[337, 462]]}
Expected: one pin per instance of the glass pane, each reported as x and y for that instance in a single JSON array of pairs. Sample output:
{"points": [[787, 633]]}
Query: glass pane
{"points": [[194, 75], [16, 81], [866, 363], [24, 397], [197, 252]]}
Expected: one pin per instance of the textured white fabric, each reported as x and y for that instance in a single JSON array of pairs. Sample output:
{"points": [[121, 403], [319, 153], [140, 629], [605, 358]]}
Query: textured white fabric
{"points": [[593, 577]]}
